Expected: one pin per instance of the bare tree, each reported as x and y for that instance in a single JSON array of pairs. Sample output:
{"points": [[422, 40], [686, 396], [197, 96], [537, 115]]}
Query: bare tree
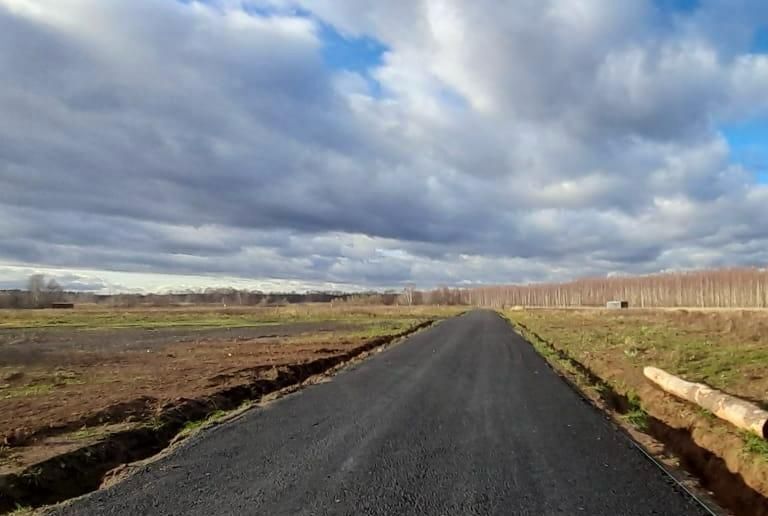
{"points": [[41, 293], [36, 288], [406, 298]]}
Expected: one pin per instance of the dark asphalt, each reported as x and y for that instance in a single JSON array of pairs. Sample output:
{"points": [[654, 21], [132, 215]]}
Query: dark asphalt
{"points": [[464, 418]]}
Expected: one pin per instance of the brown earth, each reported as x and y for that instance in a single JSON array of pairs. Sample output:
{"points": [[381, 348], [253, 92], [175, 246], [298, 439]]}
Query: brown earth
{"points": [[59, 388], [64, 463], [45, 345]]}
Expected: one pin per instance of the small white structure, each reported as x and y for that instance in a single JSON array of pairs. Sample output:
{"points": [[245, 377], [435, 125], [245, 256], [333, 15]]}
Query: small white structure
{"points": [[617, 305]]}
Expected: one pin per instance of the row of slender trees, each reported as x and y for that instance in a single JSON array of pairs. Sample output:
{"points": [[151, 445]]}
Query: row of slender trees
{"points": [[725, 288]]}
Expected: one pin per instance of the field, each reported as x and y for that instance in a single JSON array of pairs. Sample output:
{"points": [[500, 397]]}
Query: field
{"points": [[68, 379], [605, 351], [83, 391]]}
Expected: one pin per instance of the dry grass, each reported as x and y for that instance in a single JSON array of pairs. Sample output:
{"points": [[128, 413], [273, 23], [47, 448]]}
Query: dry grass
{"points": [[210, 317], [725, 349]]}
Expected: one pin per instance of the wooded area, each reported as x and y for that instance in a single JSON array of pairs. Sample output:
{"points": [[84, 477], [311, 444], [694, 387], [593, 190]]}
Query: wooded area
{"points": [[726, 288]]}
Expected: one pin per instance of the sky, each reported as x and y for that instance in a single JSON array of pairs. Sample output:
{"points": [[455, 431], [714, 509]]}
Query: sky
{"points": [[355, 144]]}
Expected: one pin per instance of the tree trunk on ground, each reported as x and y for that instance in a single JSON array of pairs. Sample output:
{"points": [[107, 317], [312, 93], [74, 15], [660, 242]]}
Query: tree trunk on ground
{"points": [[743, 414]]}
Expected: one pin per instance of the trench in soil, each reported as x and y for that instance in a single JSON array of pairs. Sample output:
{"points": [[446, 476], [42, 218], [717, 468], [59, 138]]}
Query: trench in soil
{"points": [[730, 490], [81, 471]]}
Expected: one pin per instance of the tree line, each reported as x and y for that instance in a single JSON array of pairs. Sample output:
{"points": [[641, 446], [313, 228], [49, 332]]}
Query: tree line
{"points": [[721, 288], [43, 292]]}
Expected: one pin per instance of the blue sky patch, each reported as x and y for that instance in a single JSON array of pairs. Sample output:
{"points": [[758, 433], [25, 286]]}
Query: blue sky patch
{"points": [[678, 6], [760, 41], [357, 54], [340, 52], [749, 146]]}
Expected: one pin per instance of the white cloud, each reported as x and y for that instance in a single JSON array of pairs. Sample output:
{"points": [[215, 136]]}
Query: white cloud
{"points": [[524, 141]]}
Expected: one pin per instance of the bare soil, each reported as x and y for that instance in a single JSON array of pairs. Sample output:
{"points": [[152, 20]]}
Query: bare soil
{"points": [[60, 387], [26, 347], [78, 400]]}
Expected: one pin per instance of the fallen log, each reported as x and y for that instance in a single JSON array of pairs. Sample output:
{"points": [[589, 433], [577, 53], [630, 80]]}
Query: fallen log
{"points": [[743, 414]]}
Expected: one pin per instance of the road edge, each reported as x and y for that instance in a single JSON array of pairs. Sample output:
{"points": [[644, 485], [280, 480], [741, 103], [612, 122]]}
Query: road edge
{"points": [[124, 471], [687, 483]]}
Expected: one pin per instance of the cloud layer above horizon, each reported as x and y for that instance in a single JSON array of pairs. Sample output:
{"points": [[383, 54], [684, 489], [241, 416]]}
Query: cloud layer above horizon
{"points": [[447, 142]]}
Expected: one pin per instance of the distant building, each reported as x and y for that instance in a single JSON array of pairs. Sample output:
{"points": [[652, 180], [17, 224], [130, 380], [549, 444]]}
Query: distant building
{"points": [[63, 306], [617, 305]]}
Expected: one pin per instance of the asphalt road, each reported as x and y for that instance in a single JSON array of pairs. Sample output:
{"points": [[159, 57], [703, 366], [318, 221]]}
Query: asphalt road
{"points": [[464, 418]]}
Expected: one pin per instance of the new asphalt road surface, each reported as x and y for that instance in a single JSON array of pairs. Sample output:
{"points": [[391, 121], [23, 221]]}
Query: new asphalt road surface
{"points": [[463, 418]]}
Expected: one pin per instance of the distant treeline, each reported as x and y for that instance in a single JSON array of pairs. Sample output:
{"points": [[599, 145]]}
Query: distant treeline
{"points": [[45, 297], [44, 293], [726, 288]]}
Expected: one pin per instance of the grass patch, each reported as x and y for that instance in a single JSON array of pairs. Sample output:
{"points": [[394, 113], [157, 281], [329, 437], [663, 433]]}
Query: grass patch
{"points": [[635, 415], [63, 377], [756, 446], [86, 433], [362, 331], [41, 384], [25, 391], [725, 349], [191, 427]]}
